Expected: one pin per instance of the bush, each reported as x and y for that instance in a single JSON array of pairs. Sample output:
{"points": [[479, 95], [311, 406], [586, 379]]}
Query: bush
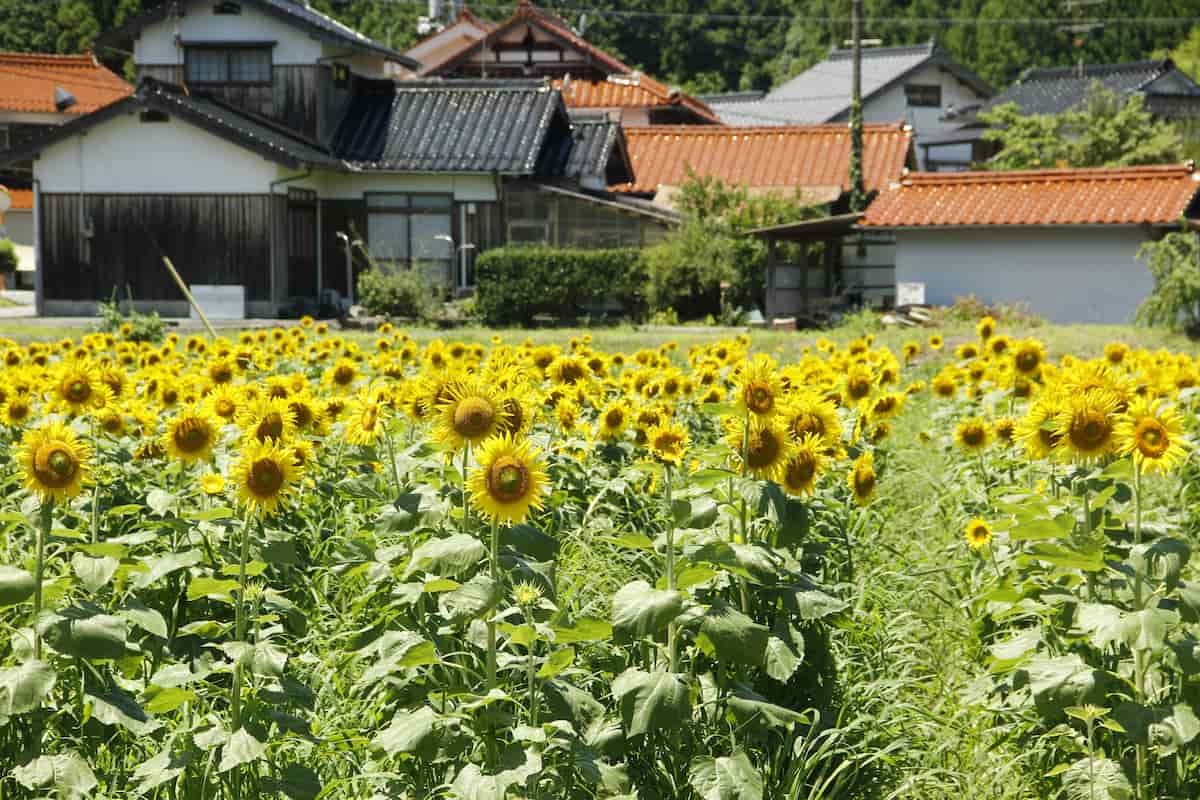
{"points": [[402, 293], [1174, 262], [8, 256], [516, 283], [132, 327]]}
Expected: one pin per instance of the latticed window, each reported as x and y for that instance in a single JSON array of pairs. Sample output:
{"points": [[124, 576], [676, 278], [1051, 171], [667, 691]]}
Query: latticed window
{"points": [[228, 65]]}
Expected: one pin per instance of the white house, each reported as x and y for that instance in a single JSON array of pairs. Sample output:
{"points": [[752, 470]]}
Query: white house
{"points": [[914, 84], [263, 136], [1062, 242]]}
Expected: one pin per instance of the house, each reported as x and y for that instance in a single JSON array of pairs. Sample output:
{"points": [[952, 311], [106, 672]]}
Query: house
{"points": [[812, 160], [912, 83], [290, 138], [37, 92], [1169, 94], [535, 42], [1062, 242]]}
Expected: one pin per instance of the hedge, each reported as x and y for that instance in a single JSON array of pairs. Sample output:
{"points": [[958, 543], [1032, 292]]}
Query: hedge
{"points": [[513, 284]]}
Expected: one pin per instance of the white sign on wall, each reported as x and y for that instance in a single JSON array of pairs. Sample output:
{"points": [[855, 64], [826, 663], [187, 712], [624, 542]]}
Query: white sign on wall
{"points": [[220, 302], [910, 294]]}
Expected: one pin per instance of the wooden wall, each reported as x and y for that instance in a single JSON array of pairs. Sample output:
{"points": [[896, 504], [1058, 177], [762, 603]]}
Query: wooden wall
{"points": [[211, 239], [291, 99]]}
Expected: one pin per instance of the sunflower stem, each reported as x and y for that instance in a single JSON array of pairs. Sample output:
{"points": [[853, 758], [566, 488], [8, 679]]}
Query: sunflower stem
{"points": [[43, 532], [742, 589], [465, 503], [672, 644], [491, 623], [1139, 658], [1137, 532], [239, 625]]}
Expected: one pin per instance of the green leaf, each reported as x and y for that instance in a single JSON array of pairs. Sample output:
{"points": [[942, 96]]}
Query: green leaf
{"points": [[209, 514], [753, 562], [164, 767], [241, 748], [94, 573], [471, 600], [1167, 729], [585, 629], [147, 619], [1042, 528], [67, 774], [651, 701], [409, 732], [397, 650], [160, 567], [529, 541], [631, 541], [164, 701], [640, 610], [1058, 682], [24, 687], [448, 557], [754, 712], [781, 660], [729, 635], [558, 661], [1013, 651], [212, 589], [1096, 779], [16, 586], [810, 603], [299, 782], [100, 636], [1163, 560], [472, 784], [725, 778], [161, 501], [117, 708], [1089, 558]]}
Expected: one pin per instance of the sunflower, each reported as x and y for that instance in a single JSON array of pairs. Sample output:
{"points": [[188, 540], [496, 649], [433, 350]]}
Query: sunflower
{"points": [[55, 462], [190, 434], [364, 419], [859, 382], [758, 386], [1152, 432], [613, 420], [1086, 427], [973, 434], [265, 475], [768, 447], [885, 406], [986, 327], [1115, 352], [569, 370], [936, 342], [804, 467], [212, 483], [808, 413], [509, 480], [1005, 429], [1028, 355], [977, 533], [223, 402], [78, 387], [469, 414], [16, 410], [944, 385], [862, 479], [668, 441], [265, 418]]}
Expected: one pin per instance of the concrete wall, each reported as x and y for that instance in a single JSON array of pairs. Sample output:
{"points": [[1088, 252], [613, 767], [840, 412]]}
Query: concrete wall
{"points": [[156, 44], [125, 155], [341, 186], [1065, 273], [892, 105]]}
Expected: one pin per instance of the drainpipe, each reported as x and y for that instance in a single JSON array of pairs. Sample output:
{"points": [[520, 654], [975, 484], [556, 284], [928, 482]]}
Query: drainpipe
{"points": [[38, 268], [271, 216]]}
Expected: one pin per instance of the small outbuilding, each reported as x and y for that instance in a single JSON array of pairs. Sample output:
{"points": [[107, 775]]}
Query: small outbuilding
{"points": [[1062, 242]]}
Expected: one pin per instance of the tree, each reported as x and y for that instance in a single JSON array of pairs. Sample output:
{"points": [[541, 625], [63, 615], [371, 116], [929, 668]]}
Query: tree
{"points": [[1101, 132], [1174, 263], [1186, 54]]}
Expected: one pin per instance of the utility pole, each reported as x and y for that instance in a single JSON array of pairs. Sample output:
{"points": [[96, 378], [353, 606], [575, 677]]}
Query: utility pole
{"points": [[858, 197]]}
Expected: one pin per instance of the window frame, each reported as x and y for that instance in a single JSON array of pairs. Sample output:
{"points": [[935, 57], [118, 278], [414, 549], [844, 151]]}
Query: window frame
{"points": [[228, 49], [911, 89], [407, 209]]}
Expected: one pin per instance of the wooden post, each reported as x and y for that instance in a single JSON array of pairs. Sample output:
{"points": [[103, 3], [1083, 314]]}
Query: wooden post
{"points": [[183, 288], [804, 267], [770, 298]]}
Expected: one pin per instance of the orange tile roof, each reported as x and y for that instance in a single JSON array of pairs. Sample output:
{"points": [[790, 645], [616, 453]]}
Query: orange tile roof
{"points": [[28, 80], [629, 91], [1101, 196], [795, 156], [22, 199]]}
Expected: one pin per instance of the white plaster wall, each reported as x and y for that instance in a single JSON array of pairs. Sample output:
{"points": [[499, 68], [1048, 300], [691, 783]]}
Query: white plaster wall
{"points": [[892, 105], [124, 155], [349, 186], [1065, 274], [156, 44]]}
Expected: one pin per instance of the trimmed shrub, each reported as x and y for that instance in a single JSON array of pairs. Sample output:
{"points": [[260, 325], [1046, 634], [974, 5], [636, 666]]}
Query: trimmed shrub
{"points": [[8, 256], [402, 293], [513, 284]]}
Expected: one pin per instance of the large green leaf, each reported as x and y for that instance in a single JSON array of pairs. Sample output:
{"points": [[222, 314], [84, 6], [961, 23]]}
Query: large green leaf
{"points": [[1088, 558], [1162, 560], [472, 784], [115, 707], [752, 711], [240, 748], [449, 557], [652, 701], [398, 650], [66, 774], [753, 562], [471, 600], [166, 766], [729, 635], [725, 778], [16, 585], [1058, 682], [1166, 728], [638, 609], [410, 732], [584, 629], [159, 567], [1096, 779], [24, 687], [99, 636], [94, 573]]}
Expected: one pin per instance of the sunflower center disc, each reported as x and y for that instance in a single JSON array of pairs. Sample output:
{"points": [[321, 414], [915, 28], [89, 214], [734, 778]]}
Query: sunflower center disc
{"points": [[266, 477]]}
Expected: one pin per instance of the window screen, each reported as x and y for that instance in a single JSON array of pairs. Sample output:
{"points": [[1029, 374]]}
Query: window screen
{"points": [[243, 65], [920, 94]]}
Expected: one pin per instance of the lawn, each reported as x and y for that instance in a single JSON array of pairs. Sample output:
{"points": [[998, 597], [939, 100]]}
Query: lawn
{"points": [[648, 628]]}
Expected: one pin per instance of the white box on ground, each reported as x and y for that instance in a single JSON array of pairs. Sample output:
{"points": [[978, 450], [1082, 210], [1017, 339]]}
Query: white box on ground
{"points": [[910, 294], [219, 302]]}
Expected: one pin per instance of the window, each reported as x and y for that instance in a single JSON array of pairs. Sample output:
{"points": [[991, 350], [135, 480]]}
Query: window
{"points": [[412, 231], [227, 7], [5, 138], [923, 94], [229, 65]]}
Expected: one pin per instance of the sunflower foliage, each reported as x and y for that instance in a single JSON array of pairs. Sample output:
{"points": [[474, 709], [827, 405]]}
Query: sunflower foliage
{"points": [[1083, 581], [298, 564]]}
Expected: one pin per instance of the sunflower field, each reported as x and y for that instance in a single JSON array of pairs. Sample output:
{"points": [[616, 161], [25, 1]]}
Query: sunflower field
{"points": [[304, 564]]}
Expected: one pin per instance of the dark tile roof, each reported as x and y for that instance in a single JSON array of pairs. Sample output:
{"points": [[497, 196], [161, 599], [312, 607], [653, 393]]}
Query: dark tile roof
{"points": [[1057, 89], [598, 150], [297, 12], [515, 127]]}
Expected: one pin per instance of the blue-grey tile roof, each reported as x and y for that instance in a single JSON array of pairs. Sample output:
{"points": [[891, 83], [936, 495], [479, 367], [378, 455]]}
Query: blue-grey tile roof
{"points": [[598, 151], [297, 12], [822, 92], [515, 127], [1057, 89]]}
